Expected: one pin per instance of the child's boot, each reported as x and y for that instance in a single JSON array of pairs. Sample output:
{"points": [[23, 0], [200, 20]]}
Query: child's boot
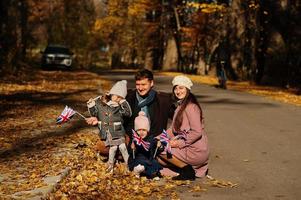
{"points": [[186, 173], [138, 170], [110, 168]]}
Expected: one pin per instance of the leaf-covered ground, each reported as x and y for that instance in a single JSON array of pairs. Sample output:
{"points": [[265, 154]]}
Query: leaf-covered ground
{"points": [[33, 148]]}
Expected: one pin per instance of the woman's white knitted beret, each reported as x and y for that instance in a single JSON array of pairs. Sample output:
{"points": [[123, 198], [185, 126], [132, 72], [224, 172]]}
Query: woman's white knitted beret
{"points": [[182, 81]]}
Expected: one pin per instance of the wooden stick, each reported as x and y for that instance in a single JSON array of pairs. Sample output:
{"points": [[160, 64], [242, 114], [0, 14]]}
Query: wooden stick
{"points": [[80, 115], [133, 153], [156, 151]]}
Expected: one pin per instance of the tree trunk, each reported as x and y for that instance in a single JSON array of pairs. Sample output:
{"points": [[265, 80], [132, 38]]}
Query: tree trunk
{"points": [[201, 66], [3, 35], [170, 59], [263, 43], [116, 60], [10, 35], [24, 31], [237, 28], [148, 61]]}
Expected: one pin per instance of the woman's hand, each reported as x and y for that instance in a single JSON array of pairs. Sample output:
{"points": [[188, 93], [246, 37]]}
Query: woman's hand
{"points": [[174, 143], [92, 121]]}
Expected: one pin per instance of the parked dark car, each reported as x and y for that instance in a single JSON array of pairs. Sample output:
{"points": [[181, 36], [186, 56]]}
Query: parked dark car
{"points": [[56, 56]]}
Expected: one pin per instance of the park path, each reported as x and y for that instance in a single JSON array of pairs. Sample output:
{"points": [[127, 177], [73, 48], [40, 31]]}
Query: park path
{"points": [[255, 142]]}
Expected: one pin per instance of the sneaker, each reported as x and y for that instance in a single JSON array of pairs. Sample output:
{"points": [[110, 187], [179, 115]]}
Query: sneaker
{"points": [[138, 169], [155, 176]]}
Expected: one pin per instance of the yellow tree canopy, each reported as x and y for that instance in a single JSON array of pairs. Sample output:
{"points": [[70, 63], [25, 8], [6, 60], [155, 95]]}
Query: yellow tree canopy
{"points": [[205, 7]]}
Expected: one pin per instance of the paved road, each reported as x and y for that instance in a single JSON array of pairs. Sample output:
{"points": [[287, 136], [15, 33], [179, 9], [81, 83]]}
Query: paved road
{"points": [[254, 141]]}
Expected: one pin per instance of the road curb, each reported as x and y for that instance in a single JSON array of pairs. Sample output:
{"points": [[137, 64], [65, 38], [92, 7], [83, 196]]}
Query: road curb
{"points": [[41, 192]]}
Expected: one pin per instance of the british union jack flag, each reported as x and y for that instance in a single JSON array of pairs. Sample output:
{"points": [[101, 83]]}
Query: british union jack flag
{"points": [[66, 115], [164, 138], [139, 141]]}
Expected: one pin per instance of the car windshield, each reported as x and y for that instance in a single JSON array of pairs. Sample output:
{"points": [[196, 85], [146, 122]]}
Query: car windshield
{"points": [[62, 50]]}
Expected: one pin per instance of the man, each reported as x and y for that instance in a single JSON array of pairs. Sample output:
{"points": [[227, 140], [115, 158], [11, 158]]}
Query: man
{"points": [[157, 106]]}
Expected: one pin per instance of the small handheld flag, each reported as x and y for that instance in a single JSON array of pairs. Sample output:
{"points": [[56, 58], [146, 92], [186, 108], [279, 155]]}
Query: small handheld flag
{"points": [[139, 141], [65, 116], [164, 138]]}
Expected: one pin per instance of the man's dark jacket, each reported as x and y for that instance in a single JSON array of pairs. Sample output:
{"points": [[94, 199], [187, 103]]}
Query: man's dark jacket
{"points": [[160, 110]]}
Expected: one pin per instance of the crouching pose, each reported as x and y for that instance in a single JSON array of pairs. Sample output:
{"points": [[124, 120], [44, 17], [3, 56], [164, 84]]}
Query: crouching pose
{"points": [[188, 139], [107, 112], [144, 149]]}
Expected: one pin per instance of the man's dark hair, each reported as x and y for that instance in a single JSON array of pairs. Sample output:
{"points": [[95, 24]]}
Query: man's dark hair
{"points": [[144, 73]]}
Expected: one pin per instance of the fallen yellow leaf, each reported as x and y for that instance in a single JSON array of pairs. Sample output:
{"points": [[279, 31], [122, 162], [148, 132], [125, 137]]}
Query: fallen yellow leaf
{"points": [[146, 190]]}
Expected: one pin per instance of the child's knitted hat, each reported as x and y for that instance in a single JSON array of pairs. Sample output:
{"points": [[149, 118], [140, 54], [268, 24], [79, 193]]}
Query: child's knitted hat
{"points": [[182, 81], [119, 88], [141, 122]]}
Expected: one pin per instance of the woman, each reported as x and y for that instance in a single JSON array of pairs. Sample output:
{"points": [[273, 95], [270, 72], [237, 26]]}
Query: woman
{"points": [[188, 140]]}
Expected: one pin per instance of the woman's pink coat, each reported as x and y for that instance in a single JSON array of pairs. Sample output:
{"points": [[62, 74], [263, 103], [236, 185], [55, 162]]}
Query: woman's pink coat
{"points": [[194, 150]]}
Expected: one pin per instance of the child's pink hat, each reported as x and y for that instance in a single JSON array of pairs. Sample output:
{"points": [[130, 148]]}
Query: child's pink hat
{"points": [[141, 122]]}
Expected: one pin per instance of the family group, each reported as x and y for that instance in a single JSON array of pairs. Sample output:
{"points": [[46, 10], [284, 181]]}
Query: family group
{"points": [[134, 123]]}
